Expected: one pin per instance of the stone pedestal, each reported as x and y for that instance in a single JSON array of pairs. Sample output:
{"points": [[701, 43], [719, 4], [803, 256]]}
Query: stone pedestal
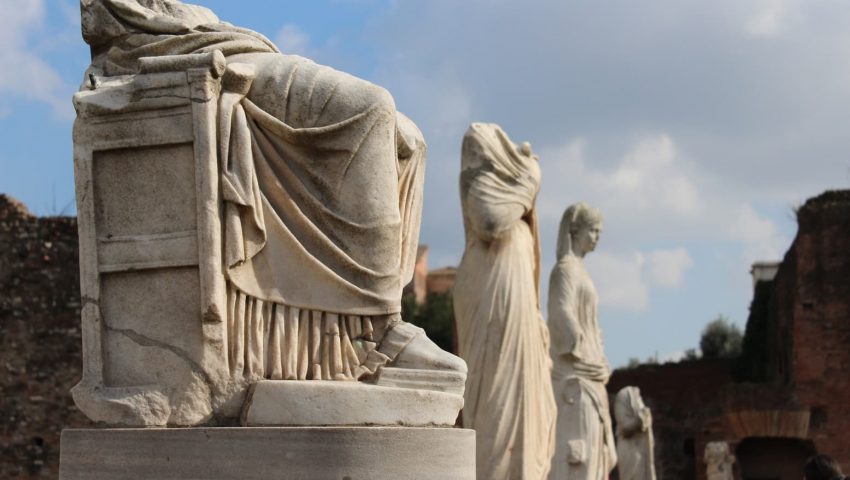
{"points": [[266, 453], [313, 403]]}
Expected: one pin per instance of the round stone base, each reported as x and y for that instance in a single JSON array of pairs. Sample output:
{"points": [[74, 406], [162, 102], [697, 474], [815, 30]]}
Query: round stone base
{"points": [[263, 453]]}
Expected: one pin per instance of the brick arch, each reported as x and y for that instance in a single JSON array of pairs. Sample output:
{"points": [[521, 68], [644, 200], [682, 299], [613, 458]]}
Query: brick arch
{"points": [[768, 424]]}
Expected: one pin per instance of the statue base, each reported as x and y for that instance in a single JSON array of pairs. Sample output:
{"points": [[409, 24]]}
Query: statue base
{"points": [[328, 403], [260, 453]]}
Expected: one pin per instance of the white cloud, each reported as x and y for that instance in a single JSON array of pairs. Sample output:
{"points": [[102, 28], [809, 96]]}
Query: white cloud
{"points": [[650, 179], [760, 237], [292, 40], [619, 280], [624, 281], [666, 268], [446, 115], [24, 73], [769, 19], [650, 176], [654, 194]]}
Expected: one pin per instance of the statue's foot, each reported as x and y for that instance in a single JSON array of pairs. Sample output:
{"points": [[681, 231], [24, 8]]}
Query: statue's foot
{"points": [[417, 362], [423, 353]]}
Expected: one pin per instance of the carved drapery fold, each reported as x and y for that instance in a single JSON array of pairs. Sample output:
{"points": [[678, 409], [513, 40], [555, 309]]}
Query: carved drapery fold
{"points": [[282, 342]]}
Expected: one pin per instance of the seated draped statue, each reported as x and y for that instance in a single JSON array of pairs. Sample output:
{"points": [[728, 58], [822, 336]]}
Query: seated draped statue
{"points": [[321, 180], [585, 442], [635, 443], [501, 333]]}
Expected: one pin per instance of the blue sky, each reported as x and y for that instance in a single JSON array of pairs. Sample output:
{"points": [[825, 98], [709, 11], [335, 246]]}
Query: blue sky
{"points": [[696, 126]]}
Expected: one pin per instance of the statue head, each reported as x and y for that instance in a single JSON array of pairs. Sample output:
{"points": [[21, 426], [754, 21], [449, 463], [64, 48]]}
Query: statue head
{"points": [[581, 226]]}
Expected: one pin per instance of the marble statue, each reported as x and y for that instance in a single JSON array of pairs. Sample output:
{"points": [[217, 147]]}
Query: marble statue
{"points": [[635, 446], [247, 221], [308, 186], [718, 461], [501, 333], [585, 443]]}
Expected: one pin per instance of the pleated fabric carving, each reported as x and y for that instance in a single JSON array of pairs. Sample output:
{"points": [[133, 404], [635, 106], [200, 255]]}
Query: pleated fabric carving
{"points": [[281, 342]]}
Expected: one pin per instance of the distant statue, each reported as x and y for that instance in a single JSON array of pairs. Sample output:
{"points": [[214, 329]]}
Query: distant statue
{"points": [[718, 461], [585, 442], [501, 334], [635, 460]]}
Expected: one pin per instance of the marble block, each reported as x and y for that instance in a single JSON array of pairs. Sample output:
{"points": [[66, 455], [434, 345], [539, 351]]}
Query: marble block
{"points": [[263, 453], [304, 403]]}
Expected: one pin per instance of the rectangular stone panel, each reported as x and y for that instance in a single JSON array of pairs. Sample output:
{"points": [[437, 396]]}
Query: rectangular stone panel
{"points": [[156, 309], [144, 191]]}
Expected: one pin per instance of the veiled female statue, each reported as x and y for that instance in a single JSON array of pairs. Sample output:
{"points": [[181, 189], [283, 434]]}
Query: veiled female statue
{"points": [[634, 436], [585, 443], [501, 334], [322, 186]]}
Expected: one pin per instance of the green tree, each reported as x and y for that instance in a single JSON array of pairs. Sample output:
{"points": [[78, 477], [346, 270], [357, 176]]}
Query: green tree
{"points": [[721, 339], [690, 355], [435, 316]]}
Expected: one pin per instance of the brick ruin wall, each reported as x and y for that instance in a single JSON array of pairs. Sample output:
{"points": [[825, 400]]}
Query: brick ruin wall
{"points": [[817, 294], [40, 340], [683, 398], [803, 355]]}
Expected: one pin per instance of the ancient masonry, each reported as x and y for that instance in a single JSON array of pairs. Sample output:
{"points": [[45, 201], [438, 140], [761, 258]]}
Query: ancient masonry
{"points": [[40, 340], [785, 398]]}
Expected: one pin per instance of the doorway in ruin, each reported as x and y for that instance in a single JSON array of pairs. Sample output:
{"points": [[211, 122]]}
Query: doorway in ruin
{"points": [[773, 458]]}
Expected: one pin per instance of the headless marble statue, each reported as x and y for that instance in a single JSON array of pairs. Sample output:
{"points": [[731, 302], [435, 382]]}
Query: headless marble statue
{"points": [[501, 333], [635, 444], [321, 185], [585, 443], [719, 461]]}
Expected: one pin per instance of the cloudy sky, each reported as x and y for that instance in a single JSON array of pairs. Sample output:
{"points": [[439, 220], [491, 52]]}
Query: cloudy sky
{"points": [[696, 126]]}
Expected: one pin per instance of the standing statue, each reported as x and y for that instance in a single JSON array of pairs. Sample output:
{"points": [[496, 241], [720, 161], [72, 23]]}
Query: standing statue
{"points": [[501, 334], [718, 461], [585, 442], [634, 436]]}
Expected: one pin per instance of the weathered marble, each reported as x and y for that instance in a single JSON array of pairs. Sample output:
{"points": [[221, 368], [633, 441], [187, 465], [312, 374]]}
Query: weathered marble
{"points": [[585, 442], [635, 445], [276, 402], [243, 215], [718, 461], [264, 453], [501, 333]]}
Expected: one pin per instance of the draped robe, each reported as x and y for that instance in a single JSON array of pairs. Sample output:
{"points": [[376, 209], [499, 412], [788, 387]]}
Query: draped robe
{"points": [[635, 443], [585, 443], [322, 186], [501, 334]]}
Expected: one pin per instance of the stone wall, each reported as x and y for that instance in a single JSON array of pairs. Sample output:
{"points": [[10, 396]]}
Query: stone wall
{"points": [[791, 384], [40, 341], [814, 288], [441, 280], [683, 398]]}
